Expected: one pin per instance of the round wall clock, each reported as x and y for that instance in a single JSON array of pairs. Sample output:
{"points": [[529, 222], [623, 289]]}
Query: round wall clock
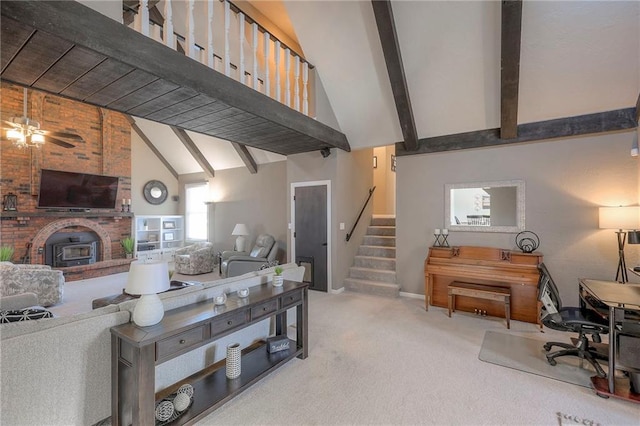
{"points": [[155, 192]]}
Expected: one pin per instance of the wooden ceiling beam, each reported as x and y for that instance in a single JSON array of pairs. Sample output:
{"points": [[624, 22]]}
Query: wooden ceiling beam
{"points": [[638, 110], [246, 156], [395, 68], [151, 146], [194, 151], [602, 122], [510, 67]]}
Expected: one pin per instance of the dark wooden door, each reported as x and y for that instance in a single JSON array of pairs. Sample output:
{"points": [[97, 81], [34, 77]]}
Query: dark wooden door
{"points": [[311, 233]]}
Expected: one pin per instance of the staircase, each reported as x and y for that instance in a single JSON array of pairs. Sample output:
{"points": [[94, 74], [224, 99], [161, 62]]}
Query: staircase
{"points": [[374, 268]]}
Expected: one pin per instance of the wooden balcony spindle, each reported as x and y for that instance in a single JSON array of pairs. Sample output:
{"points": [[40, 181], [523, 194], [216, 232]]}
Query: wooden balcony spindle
{"points": [[267, 78], [169, 39], [296, 84], [227, 25], [254, 46], [241, 77], [278, 78], [209, 50], [142, 18], [305, 90], [190, 39], [287, 71]]}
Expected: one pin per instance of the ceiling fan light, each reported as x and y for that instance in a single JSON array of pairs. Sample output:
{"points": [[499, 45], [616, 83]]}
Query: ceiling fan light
{"points": [[15, 135], [37, 138]]}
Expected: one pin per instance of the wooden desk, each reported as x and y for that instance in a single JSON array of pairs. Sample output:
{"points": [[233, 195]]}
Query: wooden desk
{"points": [[489, 266], [136, 351], [622, 300]]}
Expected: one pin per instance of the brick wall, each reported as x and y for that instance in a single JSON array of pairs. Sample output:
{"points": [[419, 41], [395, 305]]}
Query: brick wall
{"points": [[106, 150]]}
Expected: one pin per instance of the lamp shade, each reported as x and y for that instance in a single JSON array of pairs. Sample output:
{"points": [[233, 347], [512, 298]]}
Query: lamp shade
{"points": [[240, 229], [620, 217], [147, 278]]}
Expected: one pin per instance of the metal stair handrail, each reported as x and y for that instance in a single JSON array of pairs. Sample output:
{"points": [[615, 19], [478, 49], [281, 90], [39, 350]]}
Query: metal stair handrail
{"points": [[350, 233]]}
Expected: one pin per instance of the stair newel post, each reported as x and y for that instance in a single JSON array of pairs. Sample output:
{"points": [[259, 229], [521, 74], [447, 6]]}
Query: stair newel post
{"points": [[305, 90], [241, 77], [142, 18], [227, 25], [278, 77], [267, 77], [254, 47], [169, 39], [190, 38], [287, 72], [296, 84], [209, 51]]}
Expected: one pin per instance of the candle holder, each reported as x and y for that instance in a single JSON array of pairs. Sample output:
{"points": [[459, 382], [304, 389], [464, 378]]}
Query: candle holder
{"points": [[437, 242], [128, 208], [444, 242], [124, 208]]}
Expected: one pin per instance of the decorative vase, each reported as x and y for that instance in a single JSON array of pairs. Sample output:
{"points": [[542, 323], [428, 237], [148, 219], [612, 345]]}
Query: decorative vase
{"points": [[278, 280], [233, 361]]}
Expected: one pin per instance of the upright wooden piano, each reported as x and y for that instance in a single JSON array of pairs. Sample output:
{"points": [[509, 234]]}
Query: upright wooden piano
{"points": [[487, 266]]}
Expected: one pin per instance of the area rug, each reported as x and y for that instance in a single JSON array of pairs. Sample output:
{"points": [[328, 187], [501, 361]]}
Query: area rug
{"points": [[528, 355]]}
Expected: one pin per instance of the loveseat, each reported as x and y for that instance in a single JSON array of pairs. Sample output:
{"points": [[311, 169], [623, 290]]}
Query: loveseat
{"points": [[58, 371], [46, 283]]}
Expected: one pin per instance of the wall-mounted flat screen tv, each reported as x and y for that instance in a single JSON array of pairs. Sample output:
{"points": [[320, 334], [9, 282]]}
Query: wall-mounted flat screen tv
{"points": [[69, 190]]}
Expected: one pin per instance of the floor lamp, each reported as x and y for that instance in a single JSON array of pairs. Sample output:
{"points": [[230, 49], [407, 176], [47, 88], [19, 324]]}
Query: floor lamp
{"points": [[620, 218]]}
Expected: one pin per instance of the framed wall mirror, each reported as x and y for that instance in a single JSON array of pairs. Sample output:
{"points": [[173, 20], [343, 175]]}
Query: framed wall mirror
{"points": [[485, 206]]}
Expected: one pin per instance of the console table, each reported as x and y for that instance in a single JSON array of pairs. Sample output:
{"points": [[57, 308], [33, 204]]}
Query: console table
{"points": [[487, 266], [135, 351]]}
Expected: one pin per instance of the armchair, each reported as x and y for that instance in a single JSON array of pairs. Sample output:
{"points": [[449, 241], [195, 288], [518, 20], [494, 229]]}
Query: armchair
{"points": [[198, 258], [571, 319], [46, 283], [236, 263]]}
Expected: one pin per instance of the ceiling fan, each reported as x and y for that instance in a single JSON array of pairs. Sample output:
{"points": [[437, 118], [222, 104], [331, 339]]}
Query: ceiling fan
{"points": [[25, 132]]}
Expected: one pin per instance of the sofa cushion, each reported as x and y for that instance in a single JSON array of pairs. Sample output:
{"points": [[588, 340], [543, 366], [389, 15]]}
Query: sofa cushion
{"points": [[26, 314]]}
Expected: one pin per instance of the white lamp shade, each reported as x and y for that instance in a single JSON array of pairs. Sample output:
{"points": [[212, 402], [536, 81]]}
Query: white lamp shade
{"points": [[620, 217], [147, 278], [240, 229]]}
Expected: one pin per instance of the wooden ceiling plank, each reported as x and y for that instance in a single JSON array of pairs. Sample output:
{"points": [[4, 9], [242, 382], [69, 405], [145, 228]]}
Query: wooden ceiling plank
{"points": [[164, 101], [393, 59], [180, 108], [35, 58], [85, 27], [588, 124], [146, 93], [102, 75], [198, 116], [121, 87], [151, 146], [77, 62], [510, 67], [14, 36], [246, 157], [194, 151]]}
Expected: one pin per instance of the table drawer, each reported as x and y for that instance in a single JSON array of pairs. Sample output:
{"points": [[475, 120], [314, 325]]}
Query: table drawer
{"points": [[228, 322], [291, 299], [264, 309], [167, 347]]}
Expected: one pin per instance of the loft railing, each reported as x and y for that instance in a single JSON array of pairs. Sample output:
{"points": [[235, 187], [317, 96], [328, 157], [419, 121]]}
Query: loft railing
{"points": [[219, 35], [350, 233]]}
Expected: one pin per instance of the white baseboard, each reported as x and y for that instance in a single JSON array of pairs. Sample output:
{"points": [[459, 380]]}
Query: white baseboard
{"points": [[338, 291], [412, 295]]}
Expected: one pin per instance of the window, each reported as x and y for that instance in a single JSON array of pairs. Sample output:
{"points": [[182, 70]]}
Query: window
{"points": [[196, 211]]}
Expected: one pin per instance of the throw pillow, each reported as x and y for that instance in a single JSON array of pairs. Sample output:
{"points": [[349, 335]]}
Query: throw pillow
{"points": [[26, 314]]}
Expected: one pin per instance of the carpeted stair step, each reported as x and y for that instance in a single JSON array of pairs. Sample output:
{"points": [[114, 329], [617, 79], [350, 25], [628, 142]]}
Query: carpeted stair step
{"points": [[372, 275], [383, 221], [379, 240], [389, 231], [372, 287], [377, 251], [374, 262]]}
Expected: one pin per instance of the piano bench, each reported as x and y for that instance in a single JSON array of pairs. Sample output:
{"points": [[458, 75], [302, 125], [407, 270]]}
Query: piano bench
{"points": [[480, 291]]}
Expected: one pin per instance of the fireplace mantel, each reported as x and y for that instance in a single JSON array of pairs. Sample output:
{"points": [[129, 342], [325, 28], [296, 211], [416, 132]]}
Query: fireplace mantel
{"points": [[15, 214]]}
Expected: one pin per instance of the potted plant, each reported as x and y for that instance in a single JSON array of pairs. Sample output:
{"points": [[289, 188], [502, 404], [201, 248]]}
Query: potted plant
{"points": [[6, 253], [128, 244], [277, 276]]}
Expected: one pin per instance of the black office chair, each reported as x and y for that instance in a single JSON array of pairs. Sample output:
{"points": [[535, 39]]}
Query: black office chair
{"points": [[553, 315]]}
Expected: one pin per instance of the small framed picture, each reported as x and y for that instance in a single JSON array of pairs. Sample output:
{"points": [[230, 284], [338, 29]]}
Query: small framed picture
{"points": [[168, 236], [169, 225]]}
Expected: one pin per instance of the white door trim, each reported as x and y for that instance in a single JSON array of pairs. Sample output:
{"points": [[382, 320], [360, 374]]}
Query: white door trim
{"points": [[295, 185]]}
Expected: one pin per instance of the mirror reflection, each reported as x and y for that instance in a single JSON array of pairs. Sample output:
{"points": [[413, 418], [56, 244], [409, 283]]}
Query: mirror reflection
{"points": [[485, 206]]}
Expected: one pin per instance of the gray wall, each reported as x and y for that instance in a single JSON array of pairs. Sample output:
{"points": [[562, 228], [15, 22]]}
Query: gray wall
{"points": [[566, 180]]}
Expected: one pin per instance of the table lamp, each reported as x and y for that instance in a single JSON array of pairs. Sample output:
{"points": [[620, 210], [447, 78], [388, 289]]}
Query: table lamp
{"points": [[620, 218], [148, 279], [241, 231]]}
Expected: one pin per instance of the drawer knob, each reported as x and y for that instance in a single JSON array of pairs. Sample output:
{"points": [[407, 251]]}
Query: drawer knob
{"points": [[264, 309], [229, 322], [182, 341]]}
